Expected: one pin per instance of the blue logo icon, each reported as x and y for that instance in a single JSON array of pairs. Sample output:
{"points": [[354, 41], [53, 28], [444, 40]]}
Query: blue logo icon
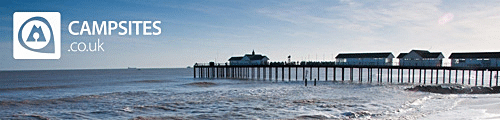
{"points": [[37, 35]]}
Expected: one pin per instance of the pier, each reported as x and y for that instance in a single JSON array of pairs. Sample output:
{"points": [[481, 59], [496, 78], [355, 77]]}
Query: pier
{"points": [[379, 74]]}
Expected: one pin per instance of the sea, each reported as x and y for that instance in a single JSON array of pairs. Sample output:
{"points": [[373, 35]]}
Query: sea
{"points": [[173, 93]]}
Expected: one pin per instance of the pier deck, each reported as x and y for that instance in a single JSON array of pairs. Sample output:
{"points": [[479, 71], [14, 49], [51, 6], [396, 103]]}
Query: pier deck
{"points": [[353, 73]]}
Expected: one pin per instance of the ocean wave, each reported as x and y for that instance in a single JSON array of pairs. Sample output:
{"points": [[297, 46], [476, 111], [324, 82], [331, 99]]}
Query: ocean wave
{"points": [[29, 116], [81, 98], [313, 117], [50, 101], [344, 115], [202, 84], [307, 101], [37, 88], [228, 115], [152, 81], [144, 107], [159, 118]]}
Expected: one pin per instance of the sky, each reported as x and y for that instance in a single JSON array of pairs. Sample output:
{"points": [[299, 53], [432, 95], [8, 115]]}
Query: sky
{"points": [[214, 30]]}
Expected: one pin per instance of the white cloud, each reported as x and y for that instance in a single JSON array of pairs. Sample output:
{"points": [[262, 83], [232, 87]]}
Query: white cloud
{"points": [[398, 25]]}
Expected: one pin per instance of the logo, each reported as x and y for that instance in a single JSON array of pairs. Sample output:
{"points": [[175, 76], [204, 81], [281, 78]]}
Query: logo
{"points": [[37, 35]]}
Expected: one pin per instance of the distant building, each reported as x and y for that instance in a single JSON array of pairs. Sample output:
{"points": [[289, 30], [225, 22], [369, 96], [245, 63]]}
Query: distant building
{"points": [[475, 59], [249, 59], [420, 58], [364, 58]]}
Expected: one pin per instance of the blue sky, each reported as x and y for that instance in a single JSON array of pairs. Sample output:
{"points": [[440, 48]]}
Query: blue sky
{"points": [[203, 31]]}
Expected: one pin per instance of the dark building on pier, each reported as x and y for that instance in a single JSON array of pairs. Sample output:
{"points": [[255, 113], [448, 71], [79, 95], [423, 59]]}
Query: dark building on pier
{"points": [[421, 58], [365, 59], [249, 59], [475, 59]]}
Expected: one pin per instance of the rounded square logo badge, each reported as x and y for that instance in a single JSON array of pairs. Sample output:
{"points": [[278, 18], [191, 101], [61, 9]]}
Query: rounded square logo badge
{"points": [[37, 35]]}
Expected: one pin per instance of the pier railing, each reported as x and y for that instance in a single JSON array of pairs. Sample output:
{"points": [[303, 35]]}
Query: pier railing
{"points": [[381, 74]]}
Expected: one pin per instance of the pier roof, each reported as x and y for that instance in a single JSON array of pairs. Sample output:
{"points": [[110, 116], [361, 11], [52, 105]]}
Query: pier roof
{"points": [[401, 55], [431, 55], [427, 54], [235, 58], [422, 53], [364, 55], [475, 55], [255, 57]]}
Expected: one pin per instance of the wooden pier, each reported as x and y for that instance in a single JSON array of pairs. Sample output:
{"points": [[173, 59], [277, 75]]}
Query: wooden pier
{"points": [[352, 73]]}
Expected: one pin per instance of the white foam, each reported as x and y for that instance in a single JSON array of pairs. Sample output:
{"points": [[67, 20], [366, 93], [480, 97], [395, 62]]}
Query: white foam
{"points": [[420, 101], [485, 106]]}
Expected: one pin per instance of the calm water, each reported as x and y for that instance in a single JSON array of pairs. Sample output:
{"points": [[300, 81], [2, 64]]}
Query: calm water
{"points": [[169, 93]]}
